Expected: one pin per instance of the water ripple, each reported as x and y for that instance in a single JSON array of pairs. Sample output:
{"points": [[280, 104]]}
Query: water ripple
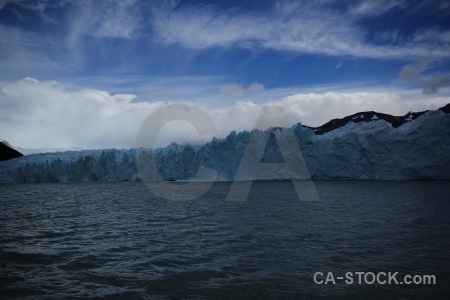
{"points": [[118, 241]]}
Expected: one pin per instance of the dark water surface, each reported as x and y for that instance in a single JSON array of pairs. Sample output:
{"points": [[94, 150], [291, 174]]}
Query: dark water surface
{"points": [[118, 241]]}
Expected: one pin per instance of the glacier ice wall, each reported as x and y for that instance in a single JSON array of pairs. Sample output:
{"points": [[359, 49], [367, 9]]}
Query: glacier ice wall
{"points": [[419, 150]]}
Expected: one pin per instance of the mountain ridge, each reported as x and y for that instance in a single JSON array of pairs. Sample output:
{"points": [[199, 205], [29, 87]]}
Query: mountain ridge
{"points": [[376, 150], [7, 152], [367, 116], [371, 116]]}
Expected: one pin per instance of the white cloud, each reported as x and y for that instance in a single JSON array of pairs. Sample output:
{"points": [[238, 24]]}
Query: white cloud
{"points": [[294, 26], [316, 109], [77, 39], [104, 19], [291, 26], [49, 114], [110, 18], [25, 51], [432, 35], [370, 8], [43, 114]]}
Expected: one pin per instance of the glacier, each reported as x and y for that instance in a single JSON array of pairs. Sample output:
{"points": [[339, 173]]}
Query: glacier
{"points": [[418, 150]]}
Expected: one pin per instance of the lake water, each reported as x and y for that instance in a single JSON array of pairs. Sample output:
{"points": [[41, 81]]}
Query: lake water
{"points": [[118, 241]]}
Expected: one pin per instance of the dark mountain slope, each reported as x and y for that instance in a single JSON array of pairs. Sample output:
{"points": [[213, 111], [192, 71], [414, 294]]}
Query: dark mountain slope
{"points": [[371, 116], [6, 152]]}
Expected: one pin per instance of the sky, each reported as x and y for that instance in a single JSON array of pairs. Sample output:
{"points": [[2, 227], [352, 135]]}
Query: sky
{"points": [[88, 73]]}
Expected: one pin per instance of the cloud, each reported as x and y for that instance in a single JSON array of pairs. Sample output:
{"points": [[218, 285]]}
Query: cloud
{"points": [[105, 19], [116, 24], [432, 35], [39, 114], [434, 82], [50, 114], [236, 90], [138, 37], [32, 5], [370, 8], [26, 52], [315, 109], [339, 65], [111, 18], [83, 38], [412, 73], [3, 3], [300, 27], [39, 7]]}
